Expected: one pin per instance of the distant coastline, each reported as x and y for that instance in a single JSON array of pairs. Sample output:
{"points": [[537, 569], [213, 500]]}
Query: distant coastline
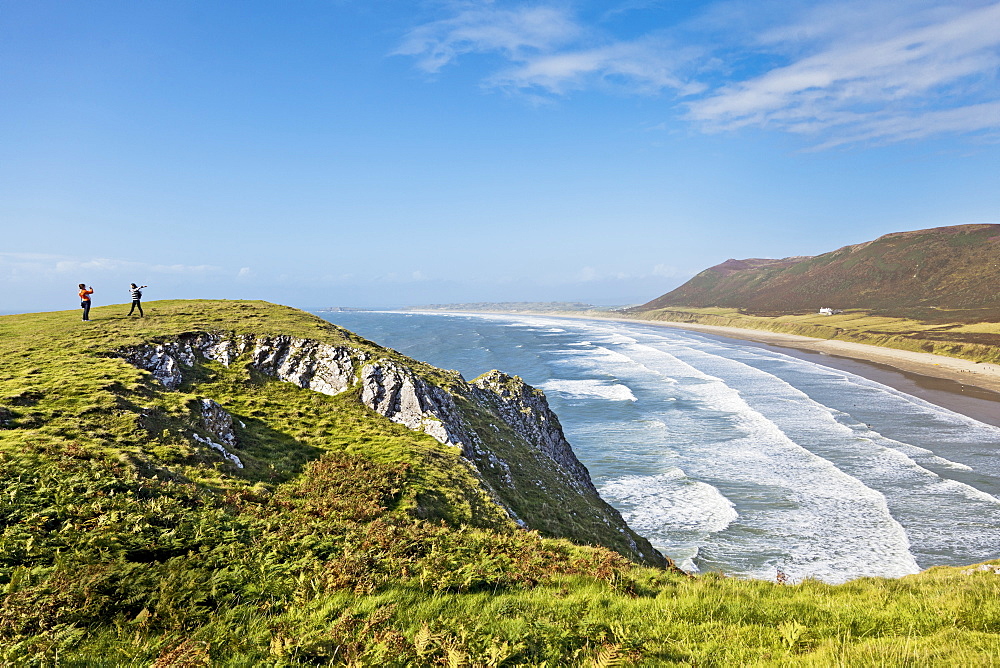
{"points": [[513, 307], [955, 375]]}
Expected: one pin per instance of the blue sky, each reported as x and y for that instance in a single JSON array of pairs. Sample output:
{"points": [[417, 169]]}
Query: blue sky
{"points": [[388, 153]]}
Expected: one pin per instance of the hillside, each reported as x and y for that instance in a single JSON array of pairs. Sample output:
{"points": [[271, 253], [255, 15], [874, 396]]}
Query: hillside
{"points": [[239, 483], [945, 273]]}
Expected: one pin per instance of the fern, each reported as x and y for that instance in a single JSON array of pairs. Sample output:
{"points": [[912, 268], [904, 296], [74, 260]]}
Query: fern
{"points": [[609, 656]]}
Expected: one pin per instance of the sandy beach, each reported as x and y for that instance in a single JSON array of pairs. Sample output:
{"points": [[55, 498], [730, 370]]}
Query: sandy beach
{"points": [[970, 388], [982, 375]]}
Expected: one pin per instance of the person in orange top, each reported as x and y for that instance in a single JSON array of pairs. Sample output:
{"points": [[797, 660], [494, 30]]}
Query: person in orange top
{"points": [[85, 293]]}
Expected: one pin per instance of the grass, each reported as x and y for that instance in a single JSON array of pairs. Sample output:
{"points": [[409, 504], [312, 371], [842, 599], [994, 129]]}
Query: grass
{"points": [[350, 540]]}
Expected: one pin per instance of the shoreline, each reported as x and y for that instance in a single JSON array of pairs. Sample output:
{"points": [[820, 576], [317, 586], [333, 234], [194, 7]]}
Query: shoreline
{"points": [[963, 386]]}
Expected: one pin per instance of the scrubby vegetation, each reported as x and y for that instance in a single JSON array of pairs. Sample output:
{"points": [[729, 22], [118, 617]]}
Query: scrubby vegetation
{"points": [[348, 539]]}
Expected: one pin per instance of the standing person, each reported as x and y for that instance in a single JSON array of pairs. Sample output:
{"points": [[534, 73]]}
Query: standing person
{"points": [[85, 293], [136, 292]]}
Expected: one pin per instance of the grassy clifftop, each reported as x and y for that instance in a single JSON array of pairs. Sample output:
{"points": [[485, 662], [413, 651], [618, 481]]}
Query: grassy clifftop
{"points": [[349, 539]]}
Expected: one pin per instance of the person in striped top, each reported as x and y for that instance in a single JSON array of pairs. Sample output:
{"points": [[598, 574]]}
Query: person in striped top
{"points": [[136, 292]]}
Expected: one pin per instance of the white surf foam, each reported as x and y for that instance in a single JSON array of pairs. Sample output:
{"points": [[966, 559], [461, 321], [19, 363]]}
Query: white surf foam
{"points": [[841, 527], [675, 513], [671, 501], [585, 389], [917, 496]]}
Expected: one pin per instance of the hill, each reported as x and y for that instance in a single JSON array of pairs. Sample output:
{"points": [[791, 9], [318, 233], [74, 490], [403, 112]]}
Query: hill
{"points": [[239, 483], [945, 273]]}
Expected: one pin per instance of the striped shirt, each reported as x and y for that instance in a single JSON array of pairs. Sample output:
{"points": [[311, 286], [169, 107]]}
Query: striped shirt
{"points": [[136, 293]]}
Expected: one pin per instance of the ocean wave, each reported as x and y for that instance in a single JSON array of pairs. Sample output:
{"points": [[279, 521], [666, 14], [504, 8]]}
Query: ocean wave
{"points": [[671, 501], [677, 514], [830, 512], [585, 389], [909, 478], [742, 459]]}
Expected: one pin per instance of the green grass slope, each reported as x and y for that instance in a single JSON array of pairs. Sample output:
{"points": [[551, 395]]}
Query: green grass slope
{"points": [[350, 540], [945, 273]]}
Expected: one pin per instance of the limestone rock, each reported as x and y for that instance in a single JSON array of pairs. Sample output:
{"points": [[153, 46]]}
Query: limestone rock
{"points": [[308, 364], [218, 422], [159, 360], [527, 411], [217, 446], [392, 390]]}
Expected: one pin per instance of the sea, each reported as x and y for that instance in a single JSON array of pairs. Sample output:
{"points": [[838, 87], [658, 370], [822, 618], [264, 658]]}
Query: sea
{"points": [[736, 457]]}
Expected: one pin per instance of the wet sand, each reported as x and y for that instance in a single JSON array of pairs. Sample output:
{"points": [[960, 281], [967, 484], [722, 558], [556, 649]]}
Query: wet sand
{"points": [[969, 388]]}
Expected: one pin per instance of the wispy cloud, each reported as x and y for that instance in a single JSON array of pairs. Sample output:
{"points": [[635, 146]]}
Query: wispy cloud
{"points": [[547, 48], [903, 82], [36, 265], [647, 66], [516, 33], [840, 72]]}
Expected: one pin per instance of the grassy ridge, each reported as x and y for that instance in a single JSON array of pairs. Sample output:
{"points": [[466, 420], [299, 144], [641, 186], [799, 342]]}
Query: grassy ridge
{"points": [[349, 539]]}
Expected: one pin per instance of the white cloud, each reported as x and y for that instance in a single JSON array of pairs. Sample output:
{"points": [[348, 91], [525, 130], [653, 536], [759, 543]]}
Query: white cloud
{"points": [[645, 66], [840, 72], [550, 49], [28, 265], [484, 28], [874, 87]]}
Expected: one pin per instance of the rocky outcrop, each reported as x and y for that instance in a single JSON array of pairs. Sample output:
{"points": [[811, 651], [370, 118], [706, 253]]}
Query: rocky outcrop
{"points": [[527, 411], [308, 364], [392, 390], [228, 456], [503, 426], [218, 422], [387, 387]]}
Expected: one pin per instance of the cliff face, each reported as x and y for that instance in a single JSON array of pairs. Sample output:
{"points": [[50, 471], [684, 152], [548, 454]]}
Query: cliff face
{"points": [[504, 428]]}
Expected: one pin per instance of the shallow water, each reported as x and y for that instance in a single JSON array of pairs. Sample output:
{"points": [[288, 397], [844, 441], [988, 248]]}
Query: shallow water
{"points": [[735, 457]]}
